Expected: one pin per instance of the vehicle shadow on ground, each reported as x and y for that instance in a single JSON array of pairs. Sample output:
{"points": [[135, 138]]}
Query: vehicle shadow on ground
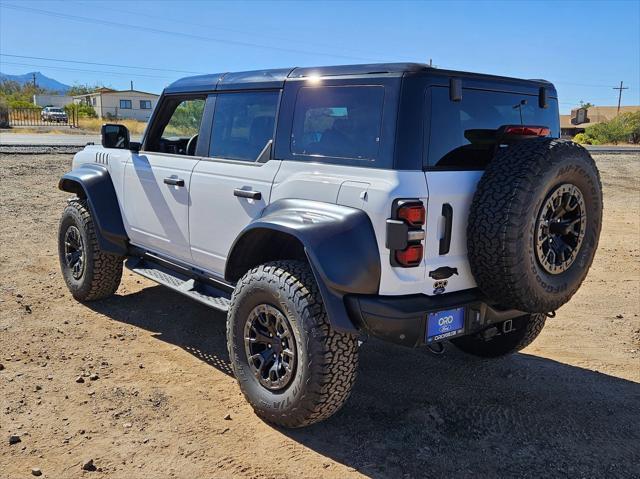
{"points": [[412, 414]]}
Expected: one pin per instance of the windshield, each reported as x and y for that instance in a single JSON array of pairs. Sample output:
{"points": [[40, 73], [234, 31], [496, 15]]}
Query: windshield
{"points": [[56, 110]]}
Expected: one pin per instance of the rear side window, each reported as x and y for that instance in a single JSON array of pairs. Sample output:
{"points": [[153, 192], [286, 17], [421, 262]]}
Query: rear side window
{"points": [[463, 134], [338, 122], [243, 123]]}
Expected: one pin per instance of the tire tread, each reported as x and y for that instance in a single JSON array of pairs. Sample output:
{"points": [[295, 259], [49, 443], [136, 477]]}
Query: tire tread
{"points": [[335, 363]]}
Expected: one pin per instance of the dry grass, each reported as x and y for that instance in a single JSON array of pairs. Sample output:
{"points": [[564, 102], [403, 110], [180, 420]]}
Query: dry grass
{"points": [[93, 124]]}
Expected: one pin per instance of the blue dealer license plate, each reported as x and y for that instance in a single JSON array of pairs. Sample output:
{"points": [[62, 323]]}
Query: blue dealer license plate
{"points": [[444, 324]]}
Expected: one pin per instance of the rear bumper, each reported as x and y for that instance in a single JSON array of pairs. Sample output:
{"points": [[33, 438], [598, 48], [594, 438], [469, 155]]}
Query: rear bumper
{"points": [[403, 319]]}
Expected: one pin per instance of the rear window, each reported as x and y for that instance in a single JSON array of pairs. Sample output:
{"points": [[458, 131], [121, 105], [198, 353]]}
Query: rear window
{"points": [[243, 124], [463, 134], [338, 122]]}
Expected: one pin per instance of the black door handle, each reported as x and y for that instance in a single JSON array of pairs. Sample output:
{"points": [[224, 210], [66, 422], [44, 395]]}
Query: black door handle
{"points": [[174, 181], [445, 241], [254, 195]]}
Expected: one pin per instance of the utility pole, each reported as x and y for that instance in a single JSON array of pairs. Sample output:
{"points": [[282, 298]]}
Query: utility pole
{"points": [[620, 88], [131, 85], [33, 75]]}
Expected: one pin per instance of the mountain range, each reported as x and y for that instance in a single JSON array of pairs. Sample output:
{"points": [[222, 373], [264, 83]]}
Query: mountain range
{"points": [[41, 80]]}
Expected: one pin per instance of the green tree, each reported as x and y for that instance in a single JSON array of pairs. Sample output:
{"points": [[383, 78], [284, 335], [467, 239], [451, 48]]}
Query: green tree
{"points": [[83, 89], [16, 95]]}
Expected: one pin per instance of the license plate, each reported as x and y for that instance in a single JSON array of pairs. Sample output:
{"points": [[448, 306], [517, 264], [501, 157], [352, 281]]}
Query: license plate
{"points": [[445, 324]]}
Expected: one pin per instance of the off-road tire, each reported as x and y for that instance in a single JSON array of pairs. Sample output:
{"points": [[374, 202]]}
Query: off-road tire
{"points": [[327, 360], [525, 330], [502, 223], [102, 271]]}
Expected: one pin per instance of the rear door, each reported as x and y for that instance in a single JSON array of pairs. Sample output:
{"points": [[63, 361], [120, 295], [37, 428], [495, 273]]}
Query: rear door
{"points": [[232, 185], [460, 140]]}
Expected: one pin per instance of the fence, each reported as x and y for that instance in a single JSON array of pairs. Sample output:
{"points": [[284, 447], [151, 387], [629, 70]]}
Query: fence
{"points": [[37, 117]]}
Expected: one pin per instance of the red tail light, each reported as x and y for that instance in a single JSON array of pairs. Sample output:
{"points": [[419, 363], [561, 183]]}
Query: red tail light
{"points": [[405, 233], [414, 214], [524, 130], [410, 256]]}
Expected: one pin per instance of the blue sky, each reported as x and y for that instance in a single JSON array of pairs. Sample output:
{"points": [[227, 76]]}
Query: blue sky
{"points": [[585, 47]]}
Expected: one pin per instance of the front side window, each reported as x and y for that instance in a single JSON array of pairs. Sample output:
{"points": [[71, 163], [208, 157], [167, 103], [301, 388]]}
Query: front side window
{"points": [[243, 123], [145, 104], [339, 122], [125, 104], [185, 120], [465, 133], [177, 127]]}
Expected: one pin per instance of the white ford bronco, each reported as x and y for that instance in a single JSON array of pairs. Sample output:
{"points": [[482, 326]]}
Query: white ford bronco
{"points": [[318, 206]]}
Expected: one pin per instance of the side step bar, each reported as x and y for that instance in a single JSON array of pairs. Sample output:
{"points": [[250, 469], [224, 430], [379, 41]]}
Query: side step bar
{"points": [[181, 282]]}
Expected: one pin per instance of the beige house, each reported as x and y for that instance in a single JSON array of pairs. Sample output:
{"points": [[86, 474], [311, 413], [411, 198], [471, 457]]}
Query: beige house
{"points": [[571, 125], [122, 104]]}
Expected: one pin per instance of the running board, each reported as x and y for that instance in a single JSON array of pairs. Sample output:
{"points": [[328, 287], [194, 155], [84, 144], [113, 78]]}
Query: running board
{"points": [[181, 282]]}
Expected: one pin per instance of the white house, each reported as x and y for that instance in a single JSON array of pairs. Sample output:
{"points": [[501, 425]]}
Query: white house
{"points": [[123, 104]]}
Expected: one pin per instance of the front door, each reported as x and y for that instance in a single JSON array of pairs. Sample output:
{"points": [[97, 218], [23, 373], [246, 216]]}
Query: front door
{"points": [[156, 180], [232, 185]]}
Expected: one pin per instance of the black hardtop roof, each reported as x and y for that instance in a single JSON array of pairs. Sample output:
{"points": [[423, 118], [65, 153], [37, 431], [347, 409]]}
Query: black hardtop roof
{"points": [[275, 78]]}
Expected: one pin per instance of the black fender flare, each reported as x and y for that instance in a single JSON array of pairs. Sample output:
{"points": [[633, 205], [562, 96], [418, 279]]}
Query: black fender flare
{"points": [[340, 245], [94, 183]]}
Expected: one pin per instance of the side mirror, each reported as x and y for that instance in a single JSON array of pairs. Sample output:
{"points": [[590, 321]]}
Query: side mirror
{"points": [[115, 136]]}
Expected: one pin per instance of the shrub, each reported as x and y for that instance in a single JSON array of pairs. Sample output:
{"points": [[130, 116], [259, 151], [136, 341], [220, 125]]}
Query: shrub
{"points": [[23, 104], [583, 139], [82, 110], [622, 128]]}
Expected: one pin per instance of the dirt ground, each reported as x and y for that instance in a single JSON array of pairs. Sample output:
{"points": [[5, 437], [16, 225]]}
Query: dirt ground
{"points": [[567, 406]]}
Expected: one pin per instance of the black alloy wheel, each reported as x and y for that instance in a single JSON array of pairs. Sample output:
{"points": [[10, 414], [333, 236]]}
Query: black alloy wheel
{"points": [[74, 252], [560, 228], [270, 347]]}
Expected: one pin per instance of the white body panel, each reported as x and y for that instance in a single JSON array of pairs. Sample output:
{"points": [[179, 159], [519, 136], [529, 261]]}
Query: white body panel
{"points": [[158, 213], [216, 216], [455, 188], [198, 223]]}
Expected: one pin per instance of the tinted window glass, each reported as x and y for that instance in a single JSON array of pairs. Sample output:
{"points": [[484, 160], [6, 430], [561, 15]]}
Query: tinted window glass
{"points": [[340, 122], [464, 133], [243, 123]]}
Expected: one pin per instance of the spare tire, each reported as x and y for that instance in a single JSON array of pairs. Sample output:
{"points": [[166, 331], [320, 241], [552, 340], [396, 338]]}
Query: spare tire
{"points": [[534, 224]]}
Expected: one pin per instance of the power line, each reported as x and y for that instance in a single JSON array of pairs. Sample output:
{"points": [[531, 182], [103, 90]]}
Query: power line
{"points": [[580, 84], [87, 71], [159, 31], [242, 32], [99, 64]]}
